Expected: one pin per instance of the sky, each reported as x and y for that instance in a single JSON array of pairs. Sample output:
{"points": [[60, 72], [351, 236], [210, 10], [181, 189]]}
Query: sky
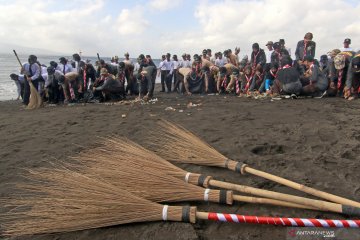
{"points": [[155, 27]]}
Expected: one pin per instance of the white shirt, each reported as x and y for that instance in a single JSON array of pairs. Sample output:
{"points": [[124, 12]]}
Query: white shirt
{"points": [[268, 55], [136, 67], [66, 68], [129, 62], [35, 68], [185, 64], [176, 64], [169, 65], [162, 67], [220, 62], [349, 49]]}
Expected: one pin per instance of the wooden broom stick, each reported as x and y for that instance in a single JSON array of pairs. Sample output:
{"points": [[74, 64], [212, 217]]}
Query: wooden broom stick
{"points": [[115, 150], [199, 152], [73, 201], [35, 98]]}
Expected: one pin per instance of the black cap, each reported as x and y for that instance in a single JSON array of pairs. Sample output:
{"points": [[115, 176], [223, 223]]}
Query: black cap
{"points": [[282, 41], [347, 40], [255, 46]]}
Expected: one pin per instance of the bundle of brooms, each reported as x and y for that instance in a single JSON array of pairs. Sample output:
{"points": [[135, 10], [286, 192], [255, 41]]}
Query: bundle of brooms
{"points": [[119, 159], [61, 200], [175, 143]]}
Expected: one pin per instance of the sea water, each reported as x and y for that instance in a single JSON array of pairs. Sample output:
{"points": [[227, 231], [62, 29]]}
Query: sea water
{"points": [[9, 64]]}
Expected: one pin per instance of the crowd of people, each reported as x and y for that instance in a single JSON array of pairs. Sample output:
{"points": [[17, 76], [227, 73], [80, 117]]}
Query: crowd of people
{"points": [[271, 72]]}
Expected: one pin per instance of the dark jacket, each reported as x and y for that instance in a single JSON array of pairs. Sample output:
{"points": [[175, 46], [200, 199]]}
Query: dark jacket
{"points": [[290, 80], [259, 58], [309, 51]]}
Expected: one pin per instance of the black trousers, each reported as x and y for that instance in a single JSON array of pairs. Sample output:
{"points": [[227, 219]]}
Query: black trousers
{"points": [[54, 92], [164, 74], [168, 81], [27, 90]]}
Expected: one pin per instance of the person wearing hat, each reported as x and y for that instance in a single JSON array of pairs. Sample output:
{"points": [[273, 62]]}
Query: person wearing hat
{"points": [[278, 53], [353, 79], [258, 57], [32, 70], [314, 82], [269, 51], [347, 47], [305, 48], [339, 72], [66, 67]]}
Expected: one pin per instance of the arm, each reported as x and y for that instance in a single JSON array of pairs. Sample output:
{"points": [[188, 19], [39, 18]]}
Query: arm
{"points": [[37, 71], [297, 51]]}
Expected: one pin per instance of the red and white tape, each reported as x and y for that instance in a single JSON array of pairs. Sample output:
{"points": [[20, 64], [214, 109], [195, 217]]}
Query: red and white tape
{"points": [[291, 222]]}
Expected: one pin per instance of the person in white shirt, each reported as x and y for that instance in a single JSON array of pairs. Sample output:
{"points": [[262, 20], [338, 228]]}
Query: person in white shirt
{"points": [[347, 47], [19, 81], [220, 61], [32, 71], [210, 56], [127, 59], [176, 65], [185, 63], [65, 68], [162, 70], [269, 51], [169, 66]]}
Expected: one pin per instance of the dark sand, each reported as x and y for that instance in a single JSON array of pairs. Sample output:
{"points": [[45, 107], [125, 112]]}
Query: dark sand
{"points": [[310, 141]]}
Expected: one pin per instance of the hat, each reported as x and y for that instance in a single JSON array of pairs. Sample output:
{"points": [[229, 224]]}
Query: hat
{"points": [[256, 46], [126, 54], [347, 40], [282, 41], [339, 61], [269, 43], [103, 71], [334, 52]]}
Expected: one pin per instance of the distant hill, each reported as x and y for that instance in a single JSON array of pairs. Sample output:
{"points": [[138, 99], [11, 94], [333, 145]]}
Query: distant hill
{"points": [[8, 48]]}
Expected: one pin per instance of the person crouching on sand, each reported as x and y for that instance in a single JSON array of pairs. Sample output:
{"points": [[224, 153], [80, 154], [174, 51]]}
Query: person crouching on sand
{"points": [[111, 89], [287, 80], [314, 81], [19, 81], [353, 79], [270, 77]]}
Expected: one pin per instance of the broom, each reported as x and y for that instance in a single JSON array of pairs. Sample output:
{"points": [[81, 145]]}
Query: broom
{"points": [[35, 99], [61, 200], [150, 184], [116, 152], [183, 146]]}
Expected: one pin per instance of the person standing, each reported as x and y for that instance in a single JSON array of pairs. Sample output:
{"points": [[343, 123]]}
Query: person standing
{"points": [[169, 66], [268, 52], [32, 70], [258, 57], [305, 48], [163, 72], [66, 68], [283, 47], [176, 65], [347, 47]]}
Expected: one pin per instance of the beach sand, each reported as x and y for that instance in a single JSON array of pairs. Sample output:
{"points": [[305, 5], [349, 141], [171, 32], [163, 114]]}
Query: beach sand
{"points": [[311, 141]]}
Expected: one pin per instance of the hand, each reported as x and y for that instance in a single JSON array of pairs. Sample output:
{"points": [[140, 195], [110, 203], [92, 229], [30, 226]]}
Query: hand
{"points": [[28, 78], [94, 88], [332, 85], [188, 93], [146, 97]]}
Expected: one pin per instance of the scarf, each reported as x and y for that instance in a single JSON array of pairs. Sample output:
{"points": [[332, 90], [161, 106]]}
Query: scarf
{"points": [[248, 81], [340, 76]]}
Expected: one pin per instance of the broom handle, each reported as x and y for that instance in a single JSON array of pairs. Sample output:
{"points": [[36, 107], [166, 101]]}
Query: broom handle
{"points": [[17, 57], [321, 205], [290, 222], [303, 188], [269, 201]]}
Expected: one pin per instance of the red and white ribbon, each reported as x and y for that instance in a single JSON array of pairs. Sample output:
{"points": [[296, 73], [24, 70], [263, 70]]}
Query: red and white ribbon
{"points": [[291, 222]]}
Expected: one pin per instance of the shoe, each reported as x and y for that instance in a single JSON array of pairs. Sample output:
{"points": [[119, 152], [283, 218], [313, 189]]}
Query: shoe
{"points": [[293, 96]]}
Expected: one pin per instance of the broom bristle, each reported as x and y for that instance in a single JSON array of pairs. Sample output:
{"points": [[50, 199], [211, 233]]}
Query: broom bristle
{"points": [[58, 200], [175, 143], [130, 173], [35, 98]]}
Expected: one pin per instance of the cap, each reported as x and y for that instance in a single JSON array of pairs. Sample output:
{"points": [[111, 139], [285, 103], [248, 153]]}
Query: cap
{"points": [[269, 43], [126, 54], [282, 41], [339, 61], [103, 71], [347, 40], [334, 52]]}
